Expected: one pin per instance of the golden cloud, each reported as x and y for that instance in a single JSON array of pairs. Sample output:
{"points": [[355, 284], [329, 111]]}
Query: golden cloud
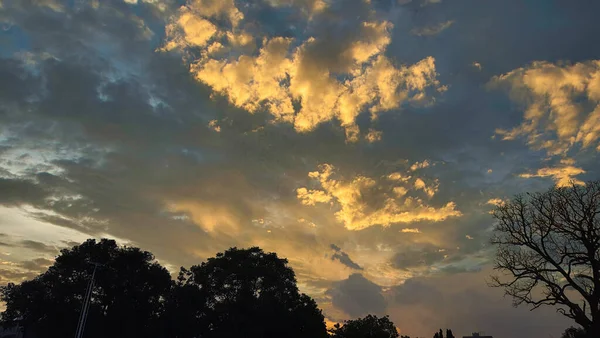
{"points": [[208, 216], [363, 202], [189, 30], [214, 125], [429, 190], [420, 165], [495, 201], [563, 175], [562, 105], [337, 83], [374, 136], [411, 230]]}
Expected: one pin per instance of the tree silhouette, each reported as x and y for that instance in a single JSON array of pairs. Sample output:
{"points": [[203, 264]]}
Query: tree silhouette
{"points": [[449, 333], [249, 293], [549, 245], [367, 327], [184, 314], [573, 332], [126, 299]]}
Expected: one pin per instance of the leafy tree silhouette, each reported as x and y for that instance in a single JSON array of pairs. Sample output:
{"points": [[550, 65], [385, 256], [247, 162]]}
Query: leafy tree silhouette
{"points": [[574, 332], [440, 334], [367, 327], [246, 293], [127, 298]]}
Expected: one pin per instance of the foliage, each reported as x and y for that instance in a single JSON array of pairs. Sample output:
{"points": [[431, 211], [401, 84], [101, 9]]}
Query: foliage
{"points": [[237, 293], [127, 298], [440, 334], [247, 292], [574, 332], [367, 327], [549, 245]]}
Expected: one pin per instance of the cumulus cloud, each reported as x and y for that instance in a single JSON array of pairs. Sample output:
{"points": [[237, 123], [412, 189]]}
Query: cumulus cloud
{"points": [[364, 202], [336, 70]]}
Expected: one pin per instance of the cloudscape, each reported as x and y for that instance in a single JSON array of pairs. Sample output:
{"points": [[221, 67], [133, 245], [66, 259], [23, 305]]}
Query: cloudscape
{"points": [[366, 141]]}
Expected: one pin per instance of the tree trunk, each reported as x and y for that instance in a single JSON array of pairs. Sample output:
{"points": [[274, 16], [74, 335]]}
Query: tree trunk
{"points": [[594, 330]]}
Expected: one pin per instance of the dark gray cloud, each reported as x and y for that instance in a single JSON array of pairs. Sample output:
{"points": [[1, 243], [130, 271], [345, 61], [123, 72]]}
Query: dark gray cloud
{"points": [[70, 244], [8, 275], [418, 257], [358, 296], [38, 246], [19, 191], [343, 258], [414, 291], [36, 265]]}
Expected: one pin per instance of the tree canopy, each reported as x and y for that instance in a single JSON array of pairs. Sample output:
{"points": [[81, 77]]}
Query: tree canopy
{"points": [[247, 292], [238, 293], [368, 327], [127, 298], [548, 244], [574, 332], [440, 334]]}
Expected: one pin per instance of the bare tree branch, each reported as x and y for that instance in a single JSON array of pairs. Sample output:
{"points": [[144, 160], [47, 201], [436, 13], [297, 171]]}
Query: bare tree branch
{"points": [[548, 244]]}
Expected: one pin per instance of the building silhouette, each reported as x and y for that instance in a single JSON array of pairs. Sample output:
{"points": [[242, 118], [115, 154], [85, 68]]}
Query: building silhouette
{"points": [[477, 335]]}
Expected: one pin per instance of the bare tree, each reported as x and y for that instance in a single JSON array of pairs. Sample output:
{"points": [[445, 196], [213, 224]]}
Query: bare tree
{"points": [[548, 250]]}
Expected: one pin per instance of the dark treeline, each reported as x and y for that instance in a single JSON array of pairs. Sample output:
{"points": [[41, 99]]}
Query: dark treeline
{"points": [[237, 293]]}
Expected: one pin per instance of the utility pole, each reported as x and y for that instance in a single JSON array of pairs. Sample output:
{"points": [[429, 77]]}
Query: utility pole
{"points": [[86, 304]]}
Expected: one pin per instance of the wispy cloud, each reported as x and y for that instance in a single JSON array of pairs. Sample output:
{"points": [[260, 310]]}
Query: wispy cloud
{"points": [[432, 30], [560, 102]]}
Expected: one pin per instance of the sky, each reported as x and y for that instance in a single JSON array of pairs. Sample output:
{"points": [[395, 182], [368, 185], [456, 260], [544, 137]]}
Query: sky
{"points": [[366, 141]]}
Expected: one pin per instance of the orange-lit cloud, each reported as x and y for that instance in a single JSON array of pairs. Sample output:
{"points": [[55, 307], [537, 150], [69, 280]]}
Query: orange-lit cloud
{"points": [[563, 174], [562, 105], [411, 230], [495, 201], [273, 73], [354, 198], [208, 216]]}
